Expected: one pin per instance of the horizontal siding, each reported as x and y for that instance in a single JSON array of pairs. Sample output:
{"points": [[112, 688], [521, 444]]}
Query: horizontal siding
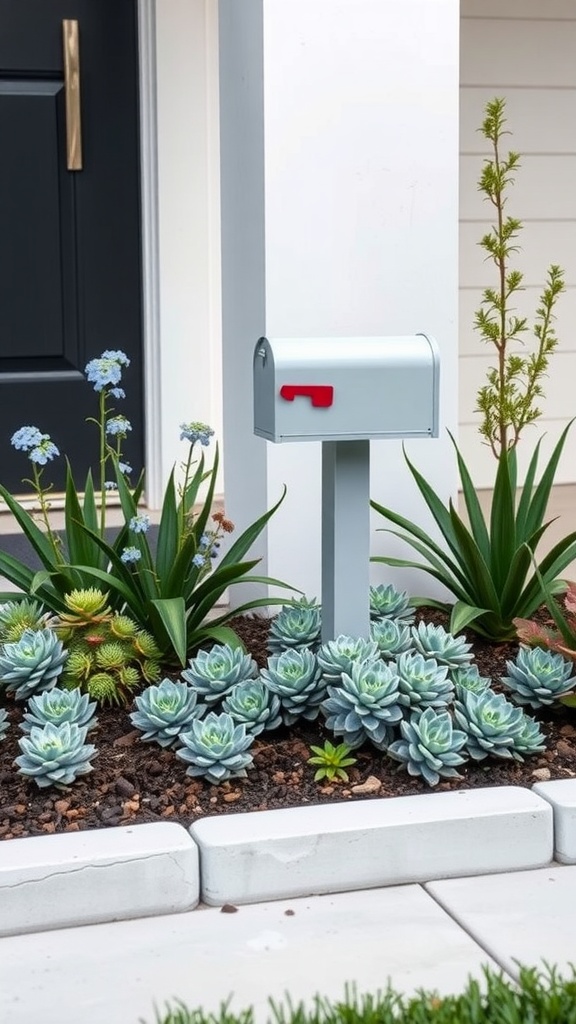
{"points": [[558, 401], [545, 189], [542, 243], [512, 56], [543, 120], [526, 303], [483, 463], [542, 10]]}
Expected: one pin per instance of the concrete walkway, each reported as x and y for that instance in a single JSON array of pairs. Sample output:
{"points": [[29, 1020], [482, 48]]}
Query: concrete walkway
{"points": [[433, 936]]}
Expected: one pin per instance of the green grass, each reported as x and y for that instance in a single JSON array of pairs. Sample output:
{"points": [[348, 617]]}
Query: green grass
{"points": [[540, 997]]}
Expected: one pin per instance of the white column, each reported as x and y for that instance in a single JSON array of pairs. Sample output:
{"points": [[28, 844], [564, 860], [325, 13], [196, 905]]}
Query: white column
{"points": [[339, 148]]}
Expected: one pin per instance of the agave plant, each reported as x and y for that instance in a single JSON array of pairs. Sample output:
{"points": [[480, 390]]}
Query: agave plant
{"points": [[388, 603], [55, 754], [430, 746], [57, 706], [339, 655], [469, 678], [31, 664], [216, 748], [365, 705], [422, 681], [253, 704], [296, 626], [491, 724], [164, 711], [435, 642], [214, 673], [4, 723], [16, 616], [295, 677], [538, 677], [391, 636]]}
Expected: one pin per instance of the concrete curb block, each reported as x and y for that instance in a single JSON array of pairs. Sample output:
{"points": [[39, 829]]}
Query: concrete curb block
{"points": [[270, 855], [561, 795], [78, 878]]}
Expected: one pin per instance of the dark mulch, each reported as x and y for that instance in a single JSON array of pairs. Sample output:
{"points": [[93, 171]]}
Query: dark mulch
{"points": [[135, 782]]}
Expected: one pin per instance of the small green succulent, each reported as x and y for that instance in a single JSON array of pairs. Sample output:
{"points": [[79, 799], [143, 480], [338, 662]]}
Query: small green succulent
{"points": [[388, 603], [423, 682], [16, 616], [164, 711], [365, 705], [216, 747], [32, 663], [339, 655], [4, 723], [392, 637], [57, 706], [491, 724], [254, 705], [55, 754], [435, 642], [296, 626], [332, 760], [214, 673], [430, 747], [295, 677], [538, 677]]}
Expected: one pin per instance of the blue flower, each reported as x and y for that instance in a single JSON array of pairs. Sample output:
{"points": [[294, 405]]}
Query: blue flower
{"points": [[107, 370], [118, 425], [130, 554], [110, 485], [118, 392], [204, 540], [196, 431], [198, 560], [26, 438], [125, 468], [139, 524], [44, 452], [117, 356]]}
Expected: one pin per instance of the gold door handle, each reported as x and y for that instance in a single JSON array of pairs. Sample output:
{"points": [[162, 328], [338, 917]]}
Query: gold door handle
{"points": [[72, 94]]}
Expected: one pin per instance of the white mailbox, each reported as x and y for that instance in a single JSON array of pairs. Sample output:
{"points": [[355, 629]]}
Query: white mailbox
{"points": [[346, 389]]}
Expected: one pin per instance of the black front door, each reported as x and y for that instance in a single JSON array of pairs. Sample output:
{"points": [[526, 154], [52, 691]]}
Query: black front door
{"points": [[70, 266]]}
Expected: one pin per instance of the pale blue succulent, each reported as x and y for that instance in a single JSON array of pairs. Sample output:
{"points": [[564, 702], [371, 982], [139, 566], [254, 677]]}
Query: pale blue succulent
{"points": [[468, 678], [435, 642], [31, 664], [4, 723], [164, 711], [388, 603], [529, 739], [216, 747], [491, 724], [538, 677], [423, 682], [430, 747], [364, 706], [391, 636], [57, 706], [339, 655], [295, 677], [296, 626], [253, 704], [55, 754], [213, 673]]}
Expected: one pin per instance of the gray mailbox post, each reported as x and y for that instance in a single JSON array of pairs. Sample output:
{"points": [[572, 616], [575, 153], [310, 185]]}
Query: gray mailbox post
{"points": [[346, 392]]}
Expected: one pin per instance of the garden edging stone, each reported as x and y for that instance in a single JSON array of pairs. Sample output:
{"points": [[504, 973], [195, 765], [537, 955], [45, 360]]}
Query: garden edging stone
{"points": [[97, 876], [561, 795]]}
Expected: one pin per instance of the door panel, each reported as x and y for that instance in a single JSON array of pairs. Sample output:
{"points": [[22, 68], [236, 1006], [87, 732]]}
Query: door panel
{"points": [[70, 264]]}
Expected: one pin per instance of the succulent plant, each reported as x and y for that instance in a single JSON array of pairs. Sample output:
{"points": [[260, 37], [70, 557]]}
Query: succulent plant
{"points": [[391, 636], [296, 626], [435, 642], [339, 655], [216, 748], [85, 607], [423, 682], [16, 616], [364, 705], [491, 724], [164, 711], [32, 663], [469, 678], [529, 739], [332, 761], [214, 673], [254, 705], [388, 603], [55, 754], [538, 677], [295, 677], [430, 746], [57, 706], [4, 723]]}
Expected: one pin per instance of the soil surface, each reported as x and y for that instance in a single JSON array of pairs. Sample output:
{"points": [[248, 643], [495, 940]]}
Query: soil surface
{"points": [[136, 782]]}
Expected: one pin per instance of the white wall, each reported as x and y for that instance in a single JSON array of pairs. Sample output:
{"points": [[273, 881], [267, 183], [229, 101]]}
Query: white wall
{"points": [[524, 51], [339, 191]]}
